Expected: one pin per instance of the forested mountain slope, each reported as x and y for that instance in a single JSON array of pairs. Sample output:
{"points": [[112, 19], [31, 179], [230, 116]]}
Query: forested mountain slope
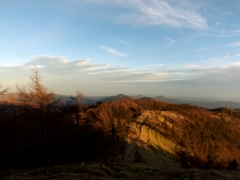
{"points": [[120, 133]]}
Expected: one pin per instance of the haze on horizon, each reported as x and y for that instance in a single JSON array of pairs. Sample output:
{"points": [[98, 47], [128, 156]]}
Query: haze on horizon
{"points": [[150, 47]]}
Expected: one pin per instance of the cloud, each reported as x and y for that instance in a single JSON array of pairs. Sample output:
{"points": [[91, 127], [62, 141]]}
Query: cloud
{"points": [[170, 41], [154, 65], [46, 60], [154, 12], [112, 51], [229, 33], [64, 77], [226, 56], [121, 41], [234, 44]]}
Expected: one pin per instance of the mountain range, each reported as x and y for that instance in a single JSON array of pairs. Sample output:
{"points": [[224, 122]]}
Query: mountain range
{"points": [[205, 103], [201, 102]]}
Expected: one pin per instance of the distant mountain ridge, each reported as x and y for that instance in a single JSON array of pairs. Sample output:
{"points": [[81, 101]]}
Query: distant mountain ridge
{"points": [[205, 103], [215, 104], [162, 98], [117, 97], [209, 104]]}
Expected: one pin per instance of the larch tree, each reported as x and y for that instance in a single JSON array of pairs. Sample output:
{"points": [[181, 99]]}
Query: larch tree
{"points": [[40, 101], [77, 104], [2, 92]]}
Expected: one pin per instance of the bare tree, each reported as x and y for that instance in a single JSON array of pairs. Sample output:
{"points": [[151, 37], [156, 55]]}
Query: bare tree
{"points": [[3, 91], [37, 97], [1, 94]]}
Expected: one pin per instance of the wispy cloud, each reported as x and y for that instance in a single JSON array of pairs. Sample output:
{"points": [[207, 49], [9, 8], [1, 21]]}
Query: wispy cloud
{"points": [[226, 56], [112, 51], [154, 65], [154, 12], [170, 41], [234, 44], [229, 33], [121, 41]]}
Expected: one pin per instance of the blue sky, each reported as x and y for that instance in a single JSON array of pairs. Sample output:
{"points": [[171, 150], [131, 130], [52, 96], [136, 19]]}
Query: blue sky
{"points": [[151, 47]]}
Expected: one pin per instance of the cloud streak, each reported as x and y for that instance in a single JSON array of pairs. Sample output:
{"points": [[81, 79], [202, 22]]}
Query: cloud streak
{"points": [[153, 12], [170, 41], [233, 44], [229, 33], [112, 51], [121, 41]]}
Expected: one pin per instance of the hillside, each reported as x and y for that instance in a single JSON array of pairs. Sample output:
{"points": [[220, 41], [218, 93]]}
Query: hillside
{"points": [[157, 135], [127, 133], [175, 135]]}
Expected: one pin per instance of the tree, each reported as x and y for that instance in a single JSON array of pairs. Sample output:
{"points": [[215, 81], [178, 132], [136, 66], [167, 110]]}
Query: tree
{"points": [[35, 95], [3, 91], [77, 107], [40, 101]]}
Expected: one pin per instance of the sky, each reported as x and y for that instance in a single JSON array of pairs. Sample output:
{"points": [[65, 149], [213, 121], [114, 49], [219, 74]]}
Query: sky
{"points": [[174, 48]]}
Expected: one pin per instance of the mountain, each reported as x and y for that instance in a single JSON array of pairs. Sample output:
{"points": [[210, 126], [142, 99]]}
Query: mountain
{"points": [[84, 99], [209, 103], [201, 102], [146, 98], [143, 136], [117, 97], [162, 98], [139, 96], [216, 104]]}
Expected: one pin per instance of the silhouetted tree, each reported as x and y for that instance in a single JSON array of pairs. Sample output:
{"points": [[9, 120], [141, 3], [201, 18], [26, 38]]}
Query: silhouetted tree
{"points": [[77, 105]]}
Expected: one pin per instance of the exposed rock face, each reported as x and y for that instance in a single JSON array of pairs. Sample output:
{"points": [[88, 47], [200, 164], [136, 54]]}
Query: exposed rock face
{"points": [[151, 135]]}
